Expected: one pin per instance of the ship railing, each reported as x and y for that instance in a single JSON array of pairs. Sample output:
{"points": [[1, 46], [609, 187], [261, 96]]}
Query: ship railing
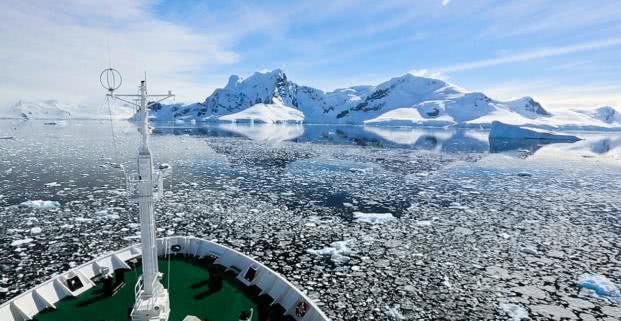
{"points": [[145, 303], [138, 288]]}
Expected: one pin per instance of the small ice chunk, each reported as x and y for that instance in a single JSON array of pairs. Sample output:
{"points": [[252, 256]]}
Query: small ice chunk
{"points": [[41, 204], [504, 235], [601, 286], [514, 311], [463, 231], [52, 184], [105, 214], [423, 223], [21, 242], [530, 250], [394, 313], [373, 218], [361, 170], [36, 230], [337, 251]]}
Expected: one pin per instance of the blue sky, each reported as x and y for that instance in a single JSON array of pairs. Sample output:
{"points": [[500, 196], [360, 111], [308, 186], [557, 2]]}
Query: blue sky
{"points": [[511, 48], [564, 53]]}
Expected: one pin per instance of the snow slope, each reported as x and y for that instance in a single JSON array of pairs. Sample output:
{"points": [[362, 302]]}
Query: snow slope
{"points": [[266, 113], [407, 100], [53, 109]]}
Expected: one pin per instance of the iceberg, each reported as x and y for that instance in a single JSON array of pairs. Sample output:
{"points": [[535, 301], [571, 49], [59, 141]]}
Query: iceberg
{"points": [[601, 286], [21, 242], [505, 131]]}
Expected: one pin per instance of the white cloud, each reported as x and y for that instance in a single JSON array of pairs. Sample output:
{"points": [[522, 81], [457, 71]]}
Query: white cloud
{"points": [[54, 50], [533, 54], [557, 95], [445, 2], [429, 74]]}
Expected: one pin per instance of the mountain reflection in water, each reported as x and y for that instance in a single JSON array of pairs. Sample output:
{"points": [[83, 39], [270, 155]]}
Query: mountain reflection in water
{"points": [[430, 139]]}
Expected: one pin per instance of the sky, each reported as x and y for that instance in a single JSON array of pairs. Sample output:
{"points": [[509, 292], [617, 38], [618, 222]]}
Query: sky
{"points": [[565, 54]]}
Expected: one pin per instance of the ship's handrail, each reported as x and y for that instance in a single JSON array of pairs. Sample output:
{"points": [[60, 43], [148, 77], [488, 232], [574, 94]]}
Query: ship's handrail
{"points": [[138, 287], [139, 290]]}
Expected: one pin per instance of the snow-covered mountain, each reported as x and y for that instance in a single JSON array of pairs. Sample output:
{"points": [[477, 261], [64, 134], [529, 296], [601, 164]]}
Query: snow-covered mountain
{"points": [[606, 114], [407, 100], [53, 109]]}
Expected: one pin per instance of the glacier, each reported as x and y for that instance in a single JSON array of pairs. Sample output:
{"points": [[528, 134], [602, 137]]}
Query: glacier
{"points": [[54, 110]]}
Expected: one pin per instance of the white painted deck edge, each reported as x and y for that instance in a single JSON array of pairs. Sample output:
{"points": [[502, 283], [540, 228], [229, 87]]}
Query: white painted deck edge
{"points": [[24, 306]]}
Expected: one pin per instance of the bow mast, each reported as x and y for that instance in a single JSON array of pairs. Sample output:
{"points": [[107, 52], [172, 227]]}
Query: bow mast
{"points": [[144, 187]]}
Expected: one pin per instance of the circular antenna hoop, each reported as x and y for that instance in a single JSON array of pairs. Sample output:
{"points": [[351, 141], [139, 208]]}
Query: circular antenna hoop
{"points": [[110, 79]]}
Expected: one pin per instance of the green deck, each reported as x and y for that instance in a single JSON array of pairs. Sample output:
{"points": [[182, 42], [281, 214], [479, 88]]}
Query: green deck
{"points": [[188, 296]]}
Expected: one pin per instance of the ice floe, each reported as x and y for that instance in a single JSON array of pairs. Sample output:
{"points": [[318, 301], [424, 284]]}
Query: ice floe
{"points": [[373, 218], [394, 313], [514, 311], [41, 204], [107, 214], [337, 251], [36, 230], [21, 242]]}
